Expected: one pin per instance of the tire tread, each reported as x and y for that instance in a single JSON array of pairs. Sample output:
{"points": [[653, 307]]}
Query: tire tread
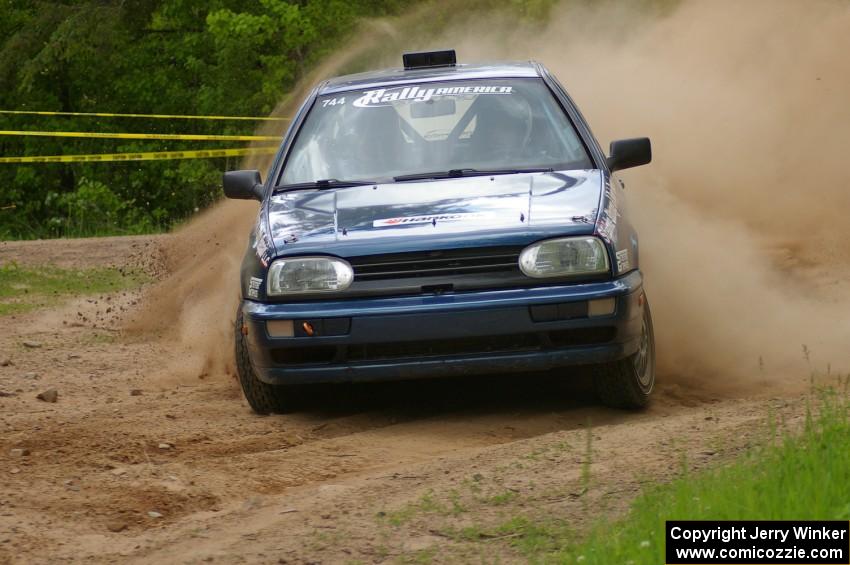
{"points": [[263, 398], [616, 383], [616, 387]]}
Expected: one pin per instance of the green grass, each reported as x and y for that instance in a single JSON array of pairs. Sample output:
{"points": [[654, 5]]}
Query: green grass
{"points": [[24, 289], [427, 504], [421, 557], [502, 498], [803, 476]]}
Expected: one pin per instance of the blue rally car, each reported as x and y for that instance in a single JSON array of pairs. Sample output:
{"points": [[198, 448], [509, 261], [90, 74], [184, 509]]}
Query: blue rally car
{"points": [[441, 219]]}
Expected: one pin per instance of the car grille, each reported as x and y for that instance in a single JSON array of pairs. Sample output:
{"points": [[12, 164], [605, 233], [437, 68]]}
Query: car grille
{"points": [[493, 344], [450, 262]]}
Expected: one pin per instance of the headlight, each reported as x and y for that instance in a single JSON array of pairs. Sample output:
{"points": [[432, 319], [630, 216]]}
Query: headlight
{"points": [[301, 275], [563, 257]]}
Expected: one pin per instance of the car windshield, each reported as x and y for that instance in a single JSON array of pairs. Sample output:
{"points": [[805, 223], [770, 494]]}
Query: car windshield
{"points": [[457, 125]]}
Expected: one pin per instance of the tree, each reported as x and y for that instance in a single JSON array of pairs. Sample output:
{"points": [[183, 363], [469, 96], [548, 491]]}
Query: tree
{"points": [[234, 57]]}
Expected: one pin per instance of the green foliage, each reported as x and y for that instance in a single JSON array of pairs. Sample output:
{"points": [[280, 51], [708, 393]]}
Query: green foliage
{"points": [[223, 57], [23, 289], [233, 57], [535, 10]]}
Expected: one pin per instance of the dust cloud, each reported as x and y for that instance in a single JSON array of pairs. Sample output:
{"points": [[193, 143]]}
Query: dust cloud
{"points": [[193, 308], [741, 215]]}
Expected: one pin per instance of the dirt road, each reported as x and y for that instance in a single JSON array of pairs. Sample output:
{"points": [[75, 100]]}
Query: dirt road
{"points": [[133, 463]]}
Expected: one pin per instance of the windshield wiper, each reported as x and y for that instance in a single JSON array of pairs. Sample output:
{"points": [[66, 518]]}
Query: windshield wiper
{"points": [[322, 184], [467, 172]]}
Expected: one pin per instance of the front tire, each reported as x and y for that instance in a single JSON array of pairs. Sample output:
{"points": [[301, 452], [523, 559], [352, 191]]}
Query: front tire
{"points": [[263, 397], [627, 383]]}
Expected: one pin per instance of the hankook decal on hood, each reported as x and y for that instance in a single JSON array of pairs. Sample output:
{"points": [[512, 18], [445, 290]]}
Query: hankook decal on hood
{"points": [[428, 219], [384, 96]]}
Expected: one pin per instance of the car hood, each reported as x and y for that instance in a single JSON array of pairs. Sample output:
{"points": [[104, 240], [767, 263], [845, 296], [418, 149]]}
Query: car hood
{"points": [[434, 213]]}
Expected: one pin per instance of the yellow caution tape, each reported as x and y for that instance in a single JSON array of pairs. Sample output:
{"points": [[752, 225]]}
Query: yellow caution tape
{"points": [[150, 156], [152, 116], [168, 136]]}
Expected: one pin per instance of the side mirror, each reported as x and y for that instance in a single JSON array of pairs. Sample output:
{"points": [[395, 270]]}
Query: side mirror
{"points": [[243, 185], [627, 153]]}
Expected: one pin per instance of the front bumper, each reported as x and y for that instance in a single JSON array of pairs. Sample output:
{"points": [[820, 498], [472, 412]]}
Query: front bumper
{"points": [[438, 335]]}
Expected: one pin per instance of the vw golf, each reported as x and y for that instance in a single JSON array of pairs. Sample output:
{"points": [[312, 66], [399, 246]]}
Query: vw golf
{"points": [[441, 219]]}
